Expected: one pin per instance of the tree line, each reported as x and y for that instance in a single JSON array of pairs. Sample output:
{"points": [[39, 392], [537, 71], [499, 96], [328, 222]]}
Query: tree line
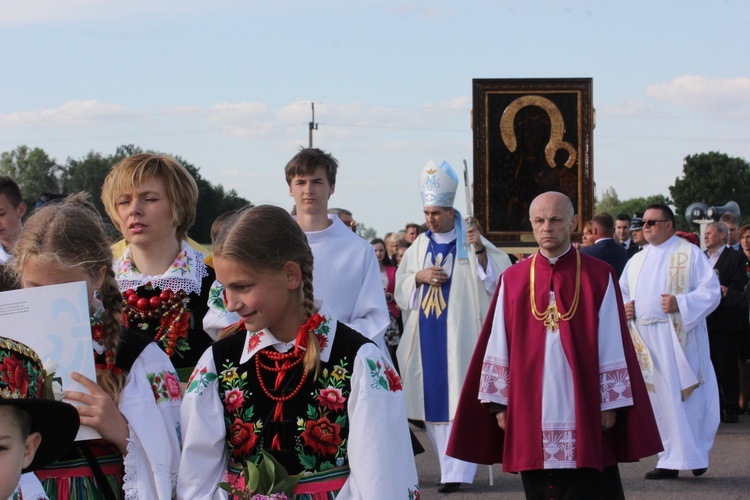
{"points": [[712, 178], [37, 173]]}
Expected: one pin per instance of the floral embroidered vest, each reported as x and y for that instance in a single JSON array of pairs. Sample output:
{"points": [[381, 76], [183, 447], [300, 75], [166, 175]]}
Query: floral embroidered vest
{"points": [[314, 426]]}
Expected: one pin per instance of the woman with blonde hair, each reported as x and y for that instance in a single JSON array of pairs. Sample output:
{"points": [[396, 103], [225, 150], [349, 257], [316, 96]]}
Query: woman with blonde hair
{"points": [[134, 402], [151, 199]]}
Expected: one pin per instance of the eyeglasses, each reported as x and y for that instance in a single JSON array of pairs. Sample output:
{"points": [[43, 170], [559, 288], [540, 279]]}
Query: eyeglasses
{"points": [[652, 222]]}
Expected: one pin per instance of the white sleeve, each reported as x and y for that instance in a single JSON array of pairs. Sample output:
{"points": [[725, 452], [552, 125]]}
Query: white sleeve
{"points": [[704, 295], [370, 314], [614, 381], [379, 450], [625, 284], [150, 401], [204, 454], [217, 317]]}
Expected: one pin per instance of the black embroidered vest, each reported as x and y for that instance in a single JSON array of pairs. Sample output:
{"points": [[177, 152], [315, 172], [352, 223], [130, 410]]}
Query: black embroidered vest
{"points": [[314, 426]]}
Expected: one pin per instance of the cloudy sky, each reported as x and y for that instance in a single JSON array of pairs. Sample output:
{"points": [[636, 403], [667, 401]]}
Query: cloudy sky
{"points": [[229, 85]]}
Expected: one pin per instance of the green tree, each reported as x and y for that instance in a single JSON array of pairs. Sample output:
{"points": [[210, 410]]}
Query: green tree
{"points": [[712, 178], [365, 232], [632, 205], [608, 201], [612, 204], [33, 170], [88, 174], [212, 202]]}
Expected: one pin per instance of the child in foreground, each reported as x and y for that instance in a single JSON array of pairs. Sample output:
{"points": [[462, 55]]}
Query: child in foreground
{"points": [[319, 397], [33, 431], [134, 402]]}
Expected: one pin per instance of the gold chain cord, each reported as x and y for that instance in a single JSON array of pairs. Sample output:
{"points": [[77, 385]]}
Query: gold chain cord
{"points": [[551, 314]]}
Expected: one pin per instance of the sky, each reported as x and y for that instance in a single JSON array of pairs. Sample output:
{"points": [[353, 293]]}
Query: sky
{"points": [[229, 86]]}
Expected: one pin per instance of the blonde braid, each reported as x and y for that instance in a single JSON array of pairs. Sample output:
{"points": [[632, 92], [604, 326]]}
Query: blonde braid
{"points": [[312, 355], [112, 381]]}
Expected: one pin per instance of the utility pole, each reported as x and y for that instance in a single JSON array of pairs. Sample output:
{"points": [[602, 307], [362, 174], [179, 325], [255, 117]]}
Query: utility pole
{"points": [[313, 125]]}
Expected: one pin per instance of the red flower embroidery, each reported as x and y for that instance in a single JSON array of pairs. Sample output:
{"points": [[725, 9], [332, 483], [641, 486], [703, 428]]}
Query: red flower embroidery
{"points": [[331, 398], [15, 375], [322, 436], [322, 340], [394, 381], [242, 437], [173, 386], [254, 340], [183, 324], [233, 399]]}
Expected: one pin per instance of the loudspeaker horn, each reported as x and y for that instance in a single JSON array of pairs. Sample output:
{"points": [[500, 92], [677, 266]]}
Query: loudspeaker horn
{"points": [[715, 213]]}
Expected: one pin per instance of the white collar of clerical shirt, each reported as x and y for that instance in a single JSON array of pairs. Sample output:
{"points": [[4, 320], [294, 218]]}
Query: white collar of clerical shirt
{"points": [[443, 238], [554, 259], [326, 332]]}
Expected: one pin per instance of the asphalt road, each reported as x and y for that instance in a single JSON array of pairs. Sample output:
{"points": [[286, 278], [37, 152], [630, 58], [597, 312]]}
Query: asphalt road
{"points": [[728, 475]]}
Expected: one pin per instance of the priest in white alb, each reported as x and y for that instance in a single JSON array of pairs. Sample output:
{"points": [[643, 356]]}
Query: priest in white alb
{"points": [[669, 288]]}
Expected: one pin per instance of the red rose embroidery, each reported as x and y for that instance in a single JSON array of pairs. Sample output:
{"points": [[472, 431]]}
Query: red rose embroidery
{"points": [[242, 437], [394, 381], [322, 436], [173, 386], [15, 375], [331, 398], [233, 399], [322, 340]]}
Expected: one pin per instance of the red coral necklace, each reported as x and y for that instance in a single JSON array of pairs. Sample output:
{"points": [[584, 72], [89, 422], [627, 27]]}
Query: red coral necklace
{"points": [[171, 307]]}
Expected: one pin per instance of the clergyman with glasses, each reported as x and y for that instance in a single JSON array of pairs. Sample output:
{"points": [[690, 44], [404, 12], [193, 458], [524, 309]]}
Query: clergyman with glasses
{"points": [[669, 288]]}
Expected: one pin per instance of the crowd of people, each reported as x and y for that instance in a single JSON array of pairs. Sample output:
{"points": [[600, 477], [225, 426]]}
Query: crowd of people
{"points": [[293, 339]]}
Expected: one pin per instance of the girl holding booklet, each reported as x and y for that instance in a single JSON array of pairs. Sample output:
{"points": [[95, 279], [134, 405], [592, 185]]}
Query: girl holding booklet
{"points": [[134, 401]]}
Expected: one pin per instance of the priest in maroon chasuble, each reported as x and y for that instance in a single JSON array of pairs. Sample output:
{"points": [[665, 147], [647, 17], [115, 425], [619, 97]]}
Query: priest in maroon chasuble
{"points": [[554, 390]]}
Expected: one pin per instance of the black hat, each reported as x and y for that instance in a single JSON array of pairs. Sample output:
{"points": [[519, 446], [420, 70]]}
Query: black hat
{"points": [[21, 381], [636, 223]]}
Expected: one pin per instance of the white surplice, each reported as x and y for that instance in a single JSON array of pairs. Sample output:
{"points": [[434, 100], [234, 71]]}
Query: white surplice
{"points": [[687, 428]]}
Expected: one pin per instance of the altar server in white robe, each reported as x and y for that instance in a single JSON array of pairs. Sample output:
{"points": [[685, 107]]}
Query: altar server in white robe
{"points": [[346, 273], [669, 288], [444, 285]]}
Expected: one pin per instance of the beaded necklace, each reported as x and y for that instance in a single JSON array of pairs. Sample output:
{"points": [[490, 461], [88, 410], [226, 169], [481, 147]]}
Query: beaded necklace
{"points": [[283, 362], [169, 306]]}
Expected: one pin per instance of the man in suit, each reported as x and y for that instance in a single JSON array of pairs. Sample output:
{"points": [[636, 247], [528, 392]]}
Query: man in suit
{"points": [[604, 247], [733, 226], [727, 322], [622, 230]]}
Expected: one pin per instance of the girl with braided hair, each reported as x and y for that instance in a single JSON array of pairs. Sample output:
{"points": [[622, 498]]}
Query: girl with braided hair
{"points": [[290, 380], [134, 402]]}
